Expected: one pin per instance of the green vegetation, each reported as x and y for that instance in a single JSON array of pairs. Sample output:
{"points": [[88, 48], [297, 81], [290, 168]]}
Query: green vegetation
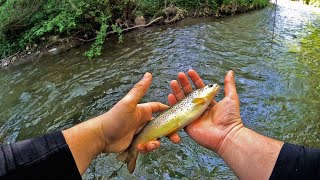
{"points": [[312, 2], [310, 46], [308, 49], [27, 24], [307, 52]]}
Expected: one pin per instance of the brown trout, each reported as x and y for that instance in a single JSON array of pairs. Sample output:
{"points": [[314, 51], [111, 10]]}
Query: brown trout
{"points": [[170, 121]]}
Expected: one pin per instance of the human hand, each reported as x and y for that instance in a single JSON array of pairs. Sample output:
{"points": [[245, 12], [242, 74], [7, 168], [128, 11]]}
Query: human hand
{"points": [[214, 125], [127, 118], [113, 131]]}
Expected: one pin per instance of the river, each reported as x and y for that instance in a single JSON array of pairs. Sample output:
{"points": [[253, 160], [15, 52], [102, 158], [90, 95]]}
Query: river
{"points": [[278, 85]]}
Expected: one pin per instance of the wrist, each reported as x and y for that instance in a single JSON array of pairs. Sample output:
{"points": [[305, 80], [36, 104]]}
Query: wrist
{"points": [[85, 142], [249, 154], [230, 137], [100, 141]]}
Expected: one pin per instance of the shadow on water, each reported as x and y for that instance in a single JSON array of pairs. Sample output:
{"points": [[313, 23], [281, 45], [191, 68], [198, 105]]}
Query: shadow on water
{"points": [[278, 86]]}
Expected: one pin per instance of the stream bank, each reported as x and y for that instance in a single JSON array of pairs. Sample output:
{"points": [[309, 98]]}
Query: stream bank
{"points": [[30, 31]]}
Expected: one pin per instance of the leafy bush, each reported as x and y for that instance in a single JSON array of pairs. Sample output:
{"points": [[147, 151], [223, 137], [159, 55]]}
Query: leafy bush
{"points": [[28, 21]]}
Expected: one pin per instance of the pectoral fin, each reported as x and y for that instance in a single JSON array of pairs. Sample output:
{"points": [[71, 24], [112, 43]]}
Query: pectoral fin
{"points": [[199, 101]]}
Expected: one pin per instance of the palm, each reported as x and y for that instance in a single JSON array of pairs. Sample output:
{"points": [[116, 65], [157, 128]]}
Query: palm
{"points": [[212, 126], [120, 123], [125, 129]]}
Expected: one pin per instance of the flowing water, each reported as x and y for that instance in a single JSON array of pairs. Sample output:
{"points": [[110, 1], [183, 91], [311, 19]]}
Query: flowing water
{"points": [[276, 63]]}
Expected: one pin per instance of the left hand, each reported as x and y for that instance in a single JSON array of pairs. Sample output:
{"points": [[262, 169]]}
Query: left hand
{"points": [[127, 118], [113, 131]]}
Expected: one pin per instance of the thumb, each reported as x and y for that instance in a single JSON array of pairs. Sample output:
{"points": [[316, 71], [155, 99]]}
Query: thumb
{"points": [[230, 85], [139, 89]]}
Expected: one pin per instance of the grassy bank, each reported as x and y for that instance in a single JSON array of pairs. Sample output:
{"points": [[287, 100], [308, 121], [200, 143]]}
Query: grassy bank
{"points": [[28, 25]]}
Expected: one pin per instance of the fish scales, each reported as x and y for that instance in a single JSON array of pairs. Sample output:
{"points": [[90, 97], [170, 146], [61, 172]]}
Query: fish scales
{"points": [[170, 121]]}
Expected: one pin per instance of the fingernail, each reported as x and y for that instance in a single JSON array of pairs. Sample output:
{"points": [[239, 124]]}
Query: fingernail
{"points": [[230, 72], [146, 75], [153, 147]]}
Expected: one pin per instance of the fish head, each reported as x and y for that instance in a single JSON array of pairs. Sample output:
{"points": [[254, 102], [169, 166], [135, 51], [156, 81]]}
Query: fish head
{"points": [[208, 92], [201, 98]]}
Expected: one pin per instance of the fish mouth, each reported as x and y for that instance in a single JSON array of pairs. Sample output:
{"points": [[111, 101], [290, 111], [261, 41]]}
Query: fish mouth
{"points": [[216, 88]]}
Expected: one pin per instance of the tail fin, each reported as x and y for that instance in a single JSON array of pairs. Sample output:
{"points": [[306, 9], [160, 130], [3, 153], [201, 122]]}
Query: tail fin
{"points": [[129, 157]]}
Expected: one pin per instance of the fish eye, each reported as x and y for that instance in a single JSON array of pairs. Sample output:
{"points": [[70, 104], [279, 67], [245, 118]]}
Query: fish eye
{"points": [[210, 85]]}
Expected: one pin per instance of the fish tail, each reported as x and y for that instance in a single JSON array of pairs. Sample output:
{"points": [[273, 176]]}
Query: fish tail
{"points": [[129, 157]]}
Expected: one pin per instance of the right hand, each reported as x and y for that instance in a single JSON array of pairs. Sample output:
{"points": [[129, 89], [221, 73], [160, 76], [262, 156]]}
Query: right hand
{"points": [[217, 123]]}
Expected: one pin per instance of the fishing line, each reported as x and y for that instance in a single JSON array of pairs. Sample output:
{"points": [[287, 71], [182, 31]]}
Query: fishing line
{"points": [[273, 12], [270, 13], [274, 23]]}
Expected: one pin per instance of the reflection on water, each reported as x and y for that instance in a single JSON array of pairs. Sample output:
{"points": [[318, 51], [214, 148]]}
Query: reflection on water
{"points": [[277, 81]]}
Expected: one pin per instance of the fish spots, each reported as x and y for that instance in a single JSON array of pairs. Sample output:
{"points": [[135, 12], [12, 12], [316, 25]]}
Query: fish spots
{"points": [[178, 115]]}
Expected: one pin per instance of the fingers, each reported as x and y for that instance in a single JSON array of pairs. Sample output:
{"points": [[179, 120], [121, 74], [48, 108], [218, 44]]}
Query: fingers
{"points": [[197, 81], [139, 89], [175, 138], [230, 85], [184, 82], [148, 109], [176, 90], [172, 100], [153, 145], [156, 106], [150, 146]]}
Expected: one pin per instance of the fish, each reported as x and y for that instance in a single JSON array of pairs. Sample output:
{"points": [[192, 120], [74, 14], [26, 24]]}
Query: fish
{"points": [[170, 121]]}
